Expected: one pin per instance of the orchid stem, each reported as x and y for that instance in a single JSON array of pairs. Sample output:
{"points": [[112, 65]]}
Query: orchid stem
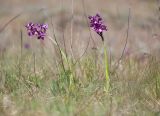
{"points": [[106, 68]]}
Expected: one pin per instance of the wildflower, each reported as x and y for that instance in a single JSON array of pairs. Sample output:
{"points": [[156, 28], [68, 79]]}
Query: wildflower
{"points": [[96, 23], [38, 30], [26, 45]]}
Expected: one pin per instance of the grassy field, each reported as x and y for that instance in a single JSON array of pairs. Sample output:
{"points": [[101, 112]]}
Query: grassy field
{"points": [[72, 72]]}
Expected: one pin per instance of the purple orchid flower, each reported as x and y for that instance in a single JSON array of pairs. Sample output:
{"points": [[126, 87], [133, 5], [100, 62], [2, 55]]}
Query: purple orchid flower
{"points": [[38, 30], [96, 23], [26, 46]]}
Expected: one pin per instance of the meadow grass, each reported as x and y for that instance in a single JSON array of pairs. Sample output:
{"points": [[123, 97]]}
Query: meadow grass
{"points": [[135, 87]]}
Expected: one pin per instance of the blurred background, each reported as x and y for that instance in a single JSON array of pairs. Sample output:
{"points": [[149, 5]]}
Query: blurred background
{"points": [[69, 20]]}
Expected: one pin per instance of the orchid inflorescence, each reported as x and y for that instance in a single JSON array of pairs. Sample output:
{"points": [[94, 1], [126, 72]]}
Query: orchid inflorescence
{"points": [[38, 30], [96, 23]]}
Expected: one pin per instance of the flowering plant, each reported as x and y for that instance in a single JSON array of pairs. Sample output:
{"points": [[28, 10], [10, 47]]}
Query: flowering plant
{"points": [[96, 23]]}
